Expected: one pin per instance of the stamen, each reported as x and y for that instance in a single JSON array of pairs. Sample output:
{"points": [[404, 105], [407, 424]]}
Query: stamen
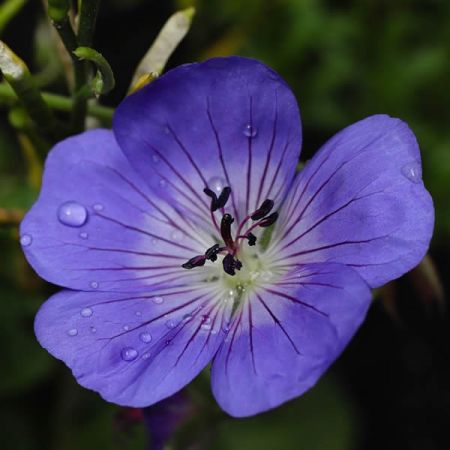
{"points": [[196, 261], [212, 252], [225, 230], [269, 220], [251, 239], [263, 210], [223, 197], [231, 264], [213, 196]]}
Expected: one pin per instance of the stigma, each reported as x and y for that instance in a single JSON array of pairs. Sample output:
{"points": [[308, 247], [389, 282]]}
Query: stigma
{"points": [[231, 244]]}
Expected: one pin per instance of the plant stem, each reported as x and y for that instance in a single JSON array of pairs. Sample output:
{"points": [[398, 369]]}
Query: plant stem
{"points": [[59, 103], [88, 17], [18, 76], [8, 10]]}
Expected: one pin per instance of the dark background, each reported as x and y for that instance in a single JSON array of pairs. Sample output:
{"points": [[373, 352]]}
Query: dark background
{"points": [[344, 60]]}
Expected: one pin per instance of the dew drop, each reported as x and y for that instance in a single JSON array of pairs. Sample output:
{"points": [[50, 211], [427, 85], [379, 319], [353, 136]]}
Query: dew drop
{"points": [[187, 317], [145, 337], [205, 326], [226, 328], [146, 356], [72, 332], [98, 207], [171, 324], [86, 312], [412, 172], [162, 183], [138, 313], [157, 300], [129, 354], [84, 235], [72, 214], [126, 327], [216, 184], [206, 319], [176, 235], [93, 330], [250, 131], [26, 240], [155, 158], [93, 284]]}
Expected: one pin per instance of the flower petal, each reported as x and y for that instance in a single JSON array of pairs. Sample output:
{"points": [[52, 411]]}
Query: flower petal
{"points": [[96, 225], [360, 201], [133, 349], [224, 122], [286, 336]]}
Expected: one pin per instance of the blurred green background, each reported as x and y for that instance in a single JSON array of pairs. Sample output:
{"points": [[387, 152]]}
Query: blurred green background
{"points": [[344, 60]]}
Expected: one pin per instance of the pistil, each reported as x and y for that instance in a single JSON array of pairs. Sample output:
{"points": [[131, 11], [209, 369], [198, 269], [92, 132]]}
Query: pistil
{"points": [[230, 262]]}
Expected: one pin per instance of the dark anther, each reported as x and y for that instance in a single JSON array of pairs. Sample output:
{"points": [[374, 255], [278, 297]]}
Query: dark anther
{"points": [[211, 253], [223, 197], [251, 239], [213, 196], [263, 210], [225, 230], [230, 264], [196, 261], [269, 220]]}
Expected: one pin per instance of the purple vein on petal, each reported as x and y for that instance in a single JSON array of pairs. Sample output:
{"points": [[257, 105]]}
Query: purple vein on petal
{"points": [[221, 157], [188, 155], [154, 205], [250, 157], [144, 232], [278, 323], [323, 219], [269, 153], [295, 300]]}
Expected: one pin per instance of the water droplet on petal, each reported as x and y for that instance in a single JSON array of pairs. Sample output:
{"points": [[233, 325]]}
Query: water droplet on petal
{"points": [[72, 214], [93, 330], [413, 172], [84, 235], [187, 317], [250, 131], [171, 324], [86, 312], [129, 354], [72, 332], [206, 319], [26, 240], [157, 300], [162, 183], [146, 356], [138, 313], [176, 235], [145, 337], [98, 207], [217, 184], [155, 158], [205, 326], [94, 285], [126, 327]]}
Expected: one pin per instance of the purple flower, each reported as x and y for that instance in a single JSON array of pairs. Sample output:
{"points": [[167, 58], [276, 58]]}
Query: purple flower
{"points": [[184, 237]]}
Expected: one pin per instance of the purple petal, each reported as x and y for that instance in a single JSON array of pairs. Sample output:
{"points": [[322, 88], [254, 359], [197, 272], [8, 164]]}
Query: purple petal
{"points": [[96, 225], [286, 335], [225, 122], [360, 201], [134, 349]]}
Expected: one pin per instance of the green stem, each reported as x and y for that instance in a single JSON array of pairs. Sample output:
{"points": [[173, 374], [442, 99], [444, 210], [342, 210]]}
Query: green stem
{"points": [[58, 12], [18, 76], [59, 103], [8, 10], [88, 17]]}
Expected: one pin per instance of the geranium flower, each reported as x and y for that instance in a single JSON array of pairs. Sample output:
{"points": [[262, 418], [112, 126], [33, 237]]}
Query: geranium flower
{"points": [[184, 237]]}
